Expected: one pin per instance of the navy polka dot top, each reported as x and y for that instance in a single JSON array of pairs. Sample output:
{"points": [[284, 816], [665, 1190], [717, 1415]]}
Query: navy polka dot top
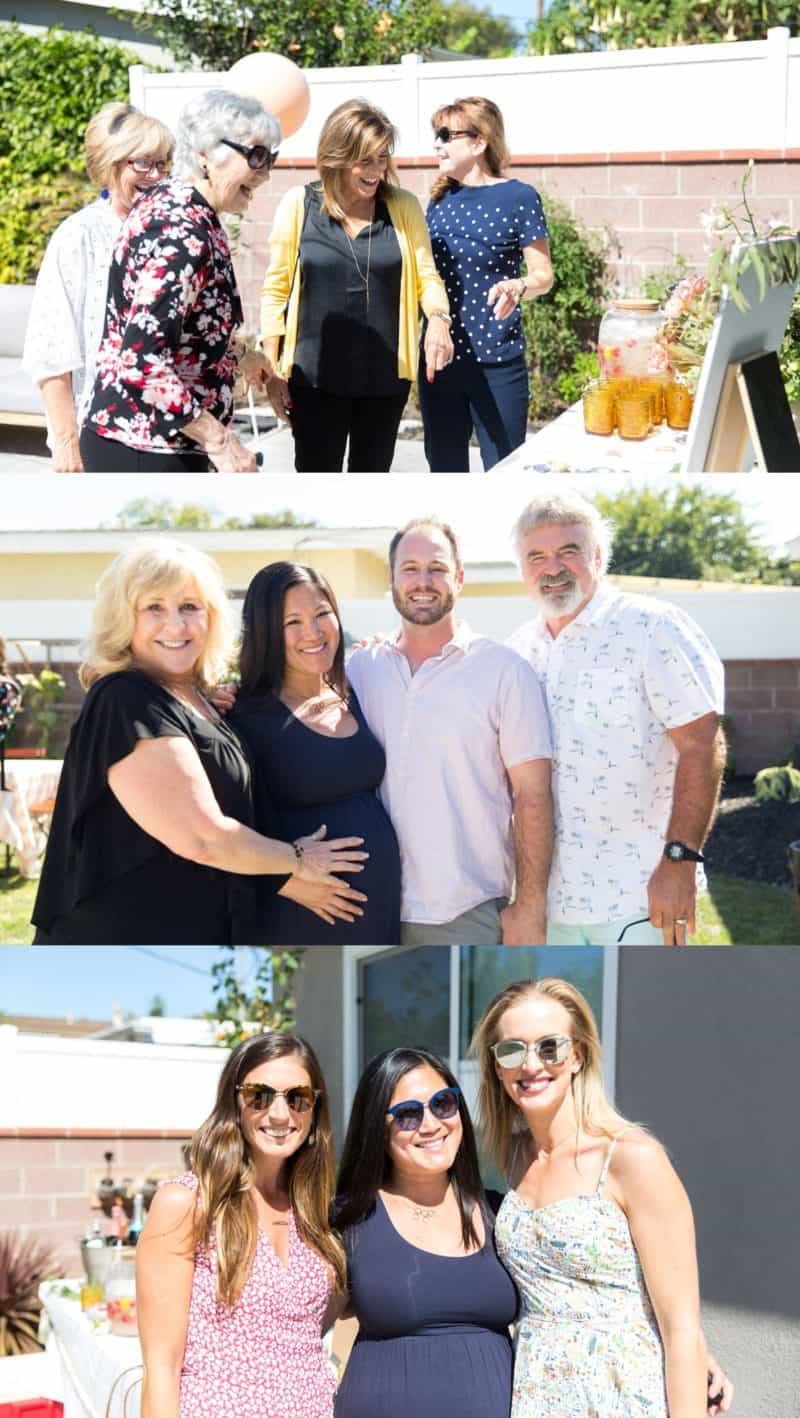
{"points": [[477, 234]]}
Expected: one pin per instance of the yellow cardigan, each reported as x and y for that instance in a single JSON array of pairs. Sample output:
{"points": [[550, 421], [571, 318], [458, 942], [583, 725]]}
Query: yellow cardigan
{"points": [[420, 283]]}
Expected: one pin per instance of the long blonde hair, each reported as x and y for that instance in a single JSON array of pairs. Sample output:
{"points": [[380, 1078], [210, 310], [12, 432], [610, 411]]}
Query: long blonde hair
{"points": [[155, 564], [219, 1159], [352, 134], [485, 119], [498, 1115]]}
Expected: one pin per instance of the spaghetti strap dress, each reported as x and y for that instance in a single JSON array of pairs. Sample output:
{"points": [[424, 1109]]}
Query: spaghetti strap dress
{"points": [[588, 1345], [264, 1357], [433, 1339]]}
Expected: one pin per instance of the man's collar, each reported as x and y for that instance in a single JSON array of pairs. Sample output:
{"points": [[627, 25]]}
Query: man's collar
{"points": [[462, 639]]}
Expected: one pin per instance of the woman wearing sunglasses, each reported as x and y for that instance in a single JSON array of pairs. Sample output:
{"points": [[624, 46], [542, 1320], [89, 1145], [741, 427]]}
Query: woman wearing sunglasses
{"points": [[126, 153], [237, 1266], [433, 1302], [484, 226], [597, 1229], [163, 394], [350, 267]]}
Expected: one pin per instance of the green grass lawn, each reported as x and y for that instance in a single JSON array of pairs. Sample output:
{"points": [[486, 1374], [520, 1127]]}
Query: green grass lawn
{"points": [[733, 913]]}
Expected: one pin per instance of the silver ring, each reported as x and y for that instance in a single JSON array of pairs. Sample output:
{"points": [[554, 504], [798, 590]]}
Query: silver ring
{"points": [[681, 921]]}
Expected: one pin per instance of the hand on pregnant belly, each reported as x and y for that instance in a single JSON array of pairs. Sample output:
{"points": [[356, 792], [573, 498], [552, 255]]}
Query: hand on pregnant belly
{"points": [[319, 858]]}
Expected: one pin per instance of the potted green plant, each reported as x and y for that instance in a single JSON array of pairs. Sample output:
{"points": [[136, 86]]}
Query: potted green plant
{"points": [[41, 694]]}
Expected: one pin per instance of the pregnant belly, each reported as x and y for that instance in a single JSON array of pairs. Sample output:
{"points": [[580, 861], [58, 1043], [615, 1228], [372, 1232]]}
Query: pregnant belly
{"points": [[445, 1376]]}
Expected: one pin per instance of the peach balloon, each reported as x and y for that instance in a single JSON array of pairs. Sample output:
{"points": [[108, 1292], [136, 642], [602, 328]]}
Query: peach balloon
{"points": [[277, 83]]}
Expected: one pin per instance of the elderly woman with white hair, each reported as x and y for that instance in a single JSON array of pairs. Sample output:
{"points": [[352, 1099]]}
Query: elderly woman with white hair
{"points": [[126, 153], [152, 839], [163, 395]]}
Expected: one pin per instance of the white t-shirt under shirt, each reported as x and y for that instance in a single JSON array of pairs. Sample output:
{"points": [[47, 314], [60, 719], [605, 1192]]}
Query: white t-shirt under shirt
{"points": [[451, 731], [616, 679]]}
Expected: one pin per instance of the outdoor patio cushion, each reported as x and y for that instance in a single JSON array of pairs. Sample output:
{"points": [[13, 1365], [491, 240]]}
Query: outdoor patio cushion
{"points": [[18, 393], [15, 305]]}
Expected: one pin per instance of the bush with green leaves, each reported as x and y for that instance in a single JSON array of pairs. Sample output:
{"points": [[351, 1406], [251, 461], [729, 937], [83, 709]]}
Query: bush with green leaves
{"points": [[313, 33], [776, 785], [564, 324], [585, 25], [50, 85]]}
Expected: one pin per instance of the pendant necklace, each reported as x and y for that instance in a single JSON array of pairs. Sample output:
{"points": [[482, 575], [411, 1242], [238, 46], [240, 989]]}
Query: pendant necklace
{"points": [[364, 278]]}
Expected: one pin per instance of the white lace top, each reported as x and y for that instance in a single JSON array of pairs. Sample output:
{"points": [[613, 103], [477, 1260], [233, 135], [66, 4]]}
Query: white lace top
{"points": [[66, 319]]}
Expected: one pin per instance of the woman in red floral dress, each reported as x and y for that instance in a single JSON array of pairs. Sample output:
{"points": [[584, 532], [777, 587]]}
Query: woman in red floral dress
{"points": [[163, 392], [237, 1267]]}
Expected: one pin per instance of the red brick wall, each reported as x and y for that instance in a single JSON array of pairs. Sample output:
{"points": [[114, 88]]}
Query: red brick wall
{"points": [[763, 703], [48, 1177], [651, 202]]}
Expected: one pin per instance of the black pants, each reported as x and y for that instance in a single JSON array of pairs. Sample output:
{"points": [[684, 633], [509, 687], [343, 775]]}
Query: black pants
{"points": [[108, 455], [491, 399], [322, 424]]}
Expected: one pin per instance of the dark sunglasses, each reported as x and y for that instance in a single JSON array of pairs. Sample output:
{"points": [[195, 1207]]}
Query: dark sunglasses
{"points": [[444, 135], [261, 1096], [257, 157], [408, 1116], [512, 1053]]}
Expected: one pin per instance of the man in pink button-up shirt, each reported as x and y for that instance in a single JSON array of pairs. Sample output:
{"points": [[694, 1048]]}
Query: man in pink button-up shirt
{"points": [[467, 741]]}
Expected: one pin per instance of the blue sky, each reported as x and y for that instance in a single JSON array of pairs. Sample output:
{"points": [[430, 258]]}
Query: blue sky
{"points": [[88, 980], [45, 502]]}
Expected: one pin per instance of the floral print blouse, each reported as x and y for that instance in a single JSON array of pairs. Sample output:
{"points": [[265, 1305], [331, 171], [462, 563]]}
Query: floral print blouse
{"points": [[172, 310]]}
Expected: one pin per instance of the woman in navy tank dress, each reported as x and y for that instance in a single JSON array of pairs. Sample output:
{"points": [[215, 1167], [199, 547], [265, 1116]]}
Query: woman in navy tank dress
{"points": [[433, 1338], [315, 760]]}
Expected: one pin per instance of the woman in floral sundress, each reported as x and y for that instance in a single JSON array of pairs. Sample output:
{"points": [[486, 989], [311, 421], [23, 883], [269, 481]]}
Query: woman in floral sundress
{"points": [[237, 1266], [597, 1229]]}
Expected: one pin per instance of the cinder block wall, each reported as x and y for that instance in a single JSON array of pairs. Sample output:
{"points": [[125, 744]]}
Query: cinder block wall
{"points": [[651, 202], [763, 702], [48, 1178]]}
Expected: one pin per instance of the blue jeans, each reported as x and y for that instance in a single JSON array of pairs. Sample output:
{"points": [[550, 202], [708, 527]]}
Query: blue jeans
{"points": [[492, 399]]}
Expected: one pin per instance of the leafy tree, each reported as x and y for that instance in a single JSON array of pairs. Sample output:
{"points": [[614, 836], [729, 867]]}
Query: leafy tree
{"points": [[686, 532], [50, 85], [145, 513], [585, 25], [158, 1007], [477, 31], [266, 1002], [314, 33]]}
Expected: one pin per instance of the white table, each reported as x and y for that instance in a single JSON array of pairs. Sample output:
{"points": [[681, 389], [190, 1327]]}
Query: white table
{"points": [[31, 786], [563, 446], [100, 1371]]}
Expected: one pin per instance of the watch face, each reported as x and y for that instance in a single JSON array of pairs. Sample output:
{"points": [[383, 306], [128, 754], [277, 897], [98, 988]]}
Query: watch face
{"points": [[675, 852]]}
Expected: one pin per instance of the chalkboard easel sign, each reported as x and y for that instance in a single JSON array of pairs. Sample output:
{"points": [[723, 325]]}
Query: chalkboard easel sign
{"points": [[741, 409], [754, 412]]}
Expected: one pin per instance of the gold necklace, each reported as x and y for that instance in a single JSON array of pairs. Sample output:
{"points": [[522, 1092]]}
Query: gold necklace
{"points": [[364, 279]]}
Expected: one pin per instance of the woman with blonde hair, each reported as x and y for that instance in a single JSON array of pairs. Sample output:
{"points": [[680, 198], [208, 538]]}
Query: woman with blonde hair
{"points": [[126, 153], [152, 838], [237, 1266], [483, 225], [597, 1230], [350, 267]]}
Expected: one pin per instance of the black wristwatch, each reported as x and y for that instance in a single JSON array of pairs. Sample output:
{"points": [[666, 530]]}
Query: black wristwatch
{"points": [[679, 852]]}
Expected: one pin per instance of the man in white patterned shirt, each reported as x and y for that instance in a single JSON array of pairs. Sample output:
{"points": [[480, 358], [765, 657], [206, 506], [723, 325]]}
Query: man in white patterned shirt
{"points": [[635, 692]]}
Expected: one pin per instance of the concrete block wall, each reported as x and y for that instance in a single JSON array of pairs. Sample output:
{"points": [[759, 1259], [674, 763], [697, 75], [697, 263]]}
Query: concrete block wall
{"points": [[651, 202], [763, 702], [48, 1178]]}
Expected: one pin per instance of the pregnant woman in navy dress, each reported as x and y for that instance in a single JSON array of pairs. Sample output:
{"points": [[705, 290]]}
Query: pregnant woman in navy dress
{"points": [[432, 1300], [316, 761]]}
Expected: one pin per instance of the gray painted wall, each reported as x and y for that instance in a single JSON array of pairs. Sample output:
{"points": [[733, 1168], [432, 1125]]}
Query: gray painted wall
{"points": [[707, 1056], [319, 1020]]}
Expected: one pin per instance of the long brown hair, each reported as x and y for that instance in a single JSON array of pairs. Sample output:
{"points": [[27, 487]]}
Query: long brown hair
{"points": [[498, 1115], [219, 1160], [482, 117]]}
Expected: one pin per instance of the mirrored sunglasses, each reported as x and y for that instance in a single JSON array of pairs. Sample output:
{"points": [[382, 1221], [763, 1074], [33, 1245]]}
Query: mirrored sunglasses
{"points": [[261, 1096], [408, 1116], [444, 135], [512, 1053], [257, 157]]}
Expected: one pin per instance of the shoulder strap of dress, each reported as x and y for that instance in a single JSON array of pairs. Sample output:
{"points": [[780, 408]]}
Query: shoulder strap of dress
{"points": [[601, 1181]]}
